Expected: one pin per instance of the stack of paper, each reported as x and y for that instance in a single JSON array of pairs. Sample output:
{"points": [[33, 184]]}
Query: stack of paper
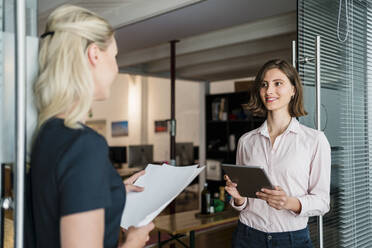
{"points": [[161, 185]]}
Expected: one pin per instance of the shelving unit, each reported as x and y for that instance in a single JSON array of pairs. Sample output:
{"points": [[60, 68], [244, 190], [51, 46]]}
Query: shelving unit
{"points": [[226, 122]]}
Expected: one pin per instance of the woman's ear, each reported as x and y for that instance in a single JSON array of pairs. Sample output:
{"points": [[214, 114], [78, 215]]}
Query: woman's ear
{"points": [[93, 53], [293, 91]]}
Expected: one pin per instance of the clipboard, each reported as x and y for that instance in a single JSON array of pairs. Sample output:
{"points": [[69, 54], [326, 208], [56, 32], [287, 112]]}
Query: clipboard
{"points": [[250, 179]]}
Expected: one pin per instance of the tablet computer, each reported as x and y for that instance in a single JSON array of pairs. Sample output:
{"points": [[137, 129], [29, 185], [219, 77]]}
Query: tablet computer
{"points": [[250, 179]]}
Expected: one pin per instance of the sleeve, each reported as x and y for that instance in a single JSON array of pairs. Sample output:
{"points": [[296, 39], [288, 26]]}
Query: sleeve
{"points": [[316, 202], [239, 162], [239, 208], [82, 175]]}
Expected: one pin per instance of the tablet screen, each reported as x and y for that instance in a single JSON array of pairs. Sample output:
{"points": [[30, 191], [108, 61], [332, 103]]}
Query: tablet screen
{"points": [[250, 179]]}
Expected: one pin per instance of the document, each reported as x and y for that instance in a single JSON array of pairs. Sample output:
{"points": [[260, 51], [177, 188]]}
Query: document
{"points": [[162, 183]]}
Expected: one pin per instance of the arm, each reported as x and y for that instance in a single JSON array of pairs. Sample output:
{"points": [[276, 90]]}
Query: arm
{"points": [[136, 237], [316, 201], [85, 229], [83, 192], [279, 200], [237, 202], [129, 182]]}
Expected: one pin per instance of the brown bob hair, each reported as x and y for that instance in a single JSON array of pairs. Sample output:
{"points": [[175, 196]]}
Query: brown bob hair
{"points": [[296, 105]]}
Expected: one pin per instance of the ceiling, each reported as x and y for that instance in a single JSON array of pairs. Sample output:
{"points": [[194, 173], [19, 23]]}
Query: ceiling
{"points": [[218, 39]]}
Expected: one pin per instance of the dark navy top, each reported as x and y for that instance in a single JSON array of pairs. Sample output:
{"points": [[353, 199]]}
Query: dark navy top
{"points": [[71, 173]]}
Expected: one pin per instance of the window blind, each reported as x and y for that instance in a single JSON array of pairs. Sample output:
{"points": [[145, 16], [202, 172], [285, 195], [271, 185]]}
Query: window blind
{"points": [[345, 27]]}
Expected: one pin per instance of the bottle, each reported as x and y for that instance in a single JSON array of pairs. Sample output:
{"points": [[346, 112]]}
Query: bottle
{"points": [[232, 142], [222, 193], [205, 200], [216, 195], [211, 209], [218, 205]]}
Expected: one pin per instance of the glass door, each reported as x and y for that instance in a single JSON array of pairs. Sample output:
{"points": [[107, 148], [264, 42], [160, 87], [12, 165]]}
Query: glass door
{"points": [[16, 104], [345, 28]]}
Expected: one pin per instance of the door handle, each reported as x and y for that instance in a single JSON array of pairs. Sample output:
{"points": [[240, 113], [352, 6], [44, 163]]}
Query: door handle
{"points": [[318, 120], [20, 145], [316, 59], [294, 53]]}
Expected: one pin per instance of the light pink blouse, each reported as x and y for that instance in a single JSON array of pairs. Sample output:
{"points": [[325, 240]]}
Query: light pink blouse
{"points": [[299, 162]]}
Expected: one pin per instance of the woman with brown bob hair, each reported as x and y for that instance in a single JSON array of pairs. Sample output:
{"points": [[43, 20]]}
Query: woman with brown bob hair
{"points": [[296, 105], [296, 158]]}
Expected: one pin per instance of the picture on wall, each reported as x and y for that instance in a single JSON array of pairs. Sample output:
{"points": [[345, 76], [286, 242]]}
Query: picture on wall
{"points": [[161, 126], [119, 128], [98, 125]]}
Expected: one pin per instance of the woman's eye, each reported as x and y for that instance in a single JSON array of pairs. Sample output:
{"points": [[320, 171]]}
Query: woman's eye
{"points": [[278, 83], [263, 85]]}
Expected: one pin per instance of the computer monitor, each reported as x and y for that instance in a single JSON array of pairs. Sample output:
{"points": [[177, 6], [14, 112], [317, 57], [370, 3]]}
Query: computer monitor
{"points": [[140, 155], [118, 155], [196, 152], [184, 153]]}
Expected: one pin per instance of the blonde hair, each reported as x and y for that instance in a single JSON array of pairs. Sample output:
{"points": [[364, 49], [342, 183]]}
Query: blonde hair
{"points": [[65, 84]]}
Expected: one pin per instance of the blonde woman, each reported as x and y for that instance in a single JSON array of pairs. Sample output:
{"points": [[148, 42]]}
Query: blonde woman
{"points": [[296, 158], [77, 196]]}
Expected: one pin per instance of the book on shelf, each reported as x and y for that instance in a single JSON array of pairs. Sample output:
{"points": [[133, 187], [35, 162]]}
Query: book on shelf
{"points": [[219, 109]]}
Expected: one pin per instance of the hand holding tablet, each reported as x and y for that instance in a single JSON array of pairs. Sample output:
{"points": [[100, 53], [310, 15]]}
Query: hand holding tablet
{"points": [[247, 179], [232, 191]]}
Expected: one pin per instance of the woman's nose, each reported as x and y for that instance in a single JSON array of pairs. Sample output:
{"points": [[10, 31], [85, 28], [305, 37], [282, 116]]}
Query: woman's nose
{"points": [[270, 89]]}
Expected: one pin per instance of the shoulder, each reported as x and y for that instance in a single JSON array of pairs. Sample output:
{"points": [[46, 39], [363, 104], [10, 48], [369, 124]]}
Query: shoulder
{"points": [[249, 136], [81, 148], [91, 138], [94, 134], [85, 160], [87, 143], [54, 140], [56, 129], [315, 136]]}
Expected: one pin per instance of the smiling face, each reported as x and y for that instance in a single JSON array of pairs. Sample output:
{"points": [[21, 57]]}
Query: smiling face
{"points": [[276, 90]]}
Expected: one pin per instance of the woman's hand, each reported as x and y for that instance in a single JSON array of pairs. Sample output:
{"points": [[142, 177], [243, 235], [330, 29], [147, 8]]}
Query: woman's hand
{"points": [[279, 200], [129, 187], [136, 237], [231, 189]]}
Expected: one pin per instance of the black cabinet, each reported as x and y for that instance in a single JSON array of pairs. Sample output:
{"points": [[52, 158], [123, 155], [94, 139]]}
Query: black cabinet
{"points": [[226, 122]]}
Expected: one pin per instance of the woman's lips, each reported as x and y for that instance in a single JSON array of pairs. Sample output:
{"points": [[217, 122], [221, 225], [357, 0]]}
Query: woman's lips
{"points": [[270, 99]]}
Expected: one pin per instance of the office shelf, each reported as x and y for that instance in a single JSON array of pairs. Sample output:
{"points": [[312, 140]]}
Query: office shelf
{"points": [[226, 122]]}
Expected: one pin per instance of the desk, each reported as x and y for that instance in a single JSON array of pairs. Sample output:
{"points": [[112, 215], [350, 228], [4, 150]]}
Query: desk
{"points": [[180, 224], [126, 172]]}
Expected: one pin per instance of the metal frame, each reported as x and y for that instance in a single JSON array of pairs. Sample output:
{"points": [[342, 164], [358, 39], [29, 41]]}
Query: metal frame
{"points": [[318, 120], [20, 145], [177, 238], [294, 53], [316, 59], [173, 102]]}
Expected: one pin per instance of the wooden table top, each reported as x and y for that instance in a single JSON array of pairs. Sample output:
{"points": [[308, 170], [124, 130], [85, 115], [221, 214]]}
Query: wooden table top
{"points": [[123, 172], [184, 222]]}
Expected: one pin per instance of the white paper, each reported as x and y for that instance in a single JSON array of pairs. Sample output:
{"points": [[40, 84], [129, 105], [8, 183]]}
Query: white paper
{"points": [[161, 185]]}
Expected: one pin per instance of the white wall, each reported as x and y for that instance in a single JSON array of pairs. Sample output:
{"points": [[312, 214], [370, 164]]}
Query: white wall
{"points": [[220, 87], [141, 101], [226, 86], [114, 109], [187, 113], [137, 109]]}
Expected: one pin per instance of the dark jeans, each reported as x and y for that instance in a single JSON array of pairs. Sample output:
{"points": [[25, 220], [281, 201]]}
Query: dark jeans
{"points": [[247, 237]]}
